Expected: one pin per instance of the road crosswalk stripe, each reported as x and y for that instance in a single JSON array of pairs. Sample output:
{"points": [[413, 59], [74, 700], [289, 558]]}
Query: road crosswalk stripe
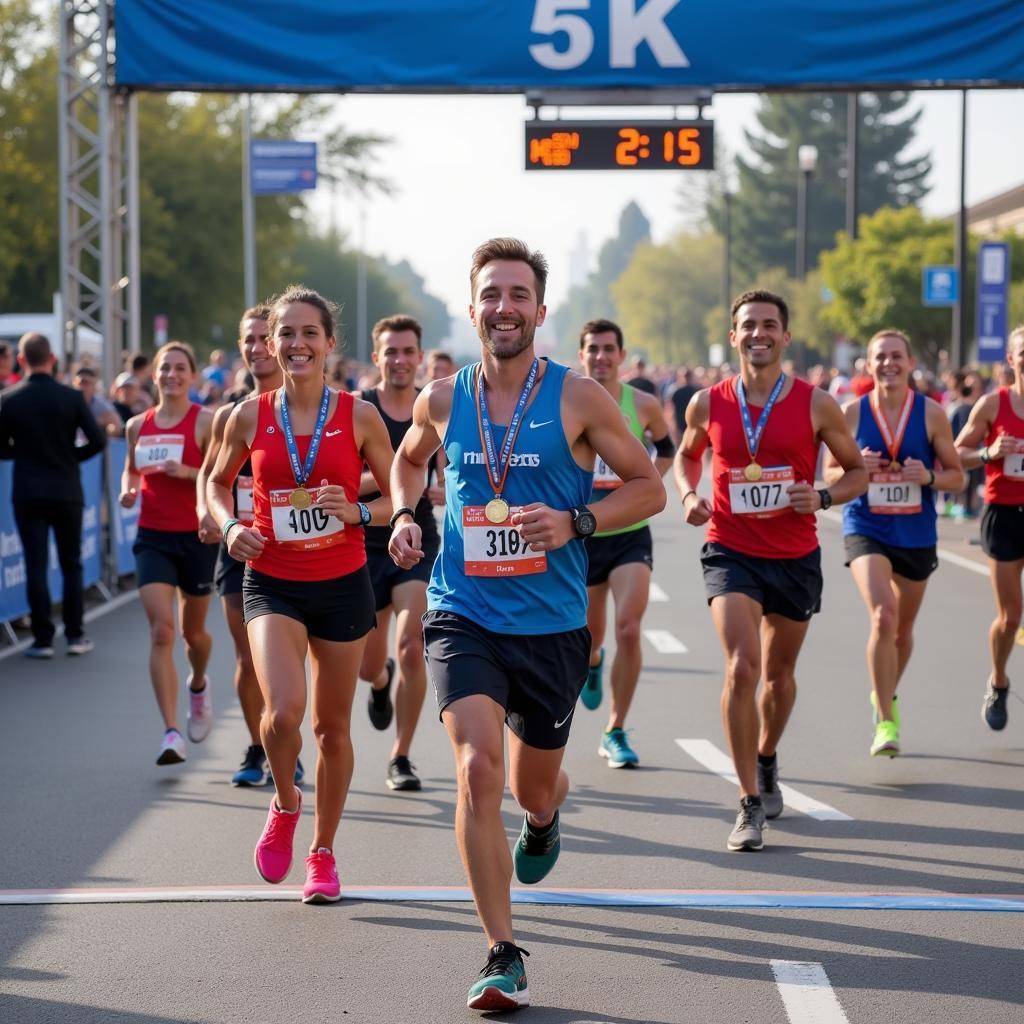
{"points": [[806, 993], [655, 593], [664, 642]]}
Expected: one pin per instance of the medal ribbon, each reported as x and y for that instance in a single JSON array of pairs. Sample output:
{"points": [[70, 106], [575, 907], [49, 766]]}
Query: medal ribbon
{"points": [[751, 433], [497, 465], [300, 472], [892, 442]]}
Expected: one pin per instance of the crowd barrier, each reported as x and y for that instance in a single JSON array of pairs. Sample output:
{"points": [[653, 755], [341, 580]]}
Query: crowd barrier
{"points": [[108, 533]]}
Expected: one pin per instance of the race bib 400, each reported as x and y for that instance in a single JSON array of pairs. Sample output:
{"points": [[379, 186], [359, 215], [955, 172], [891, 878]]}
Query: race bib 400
{"points": [[308, 528], [153, 450]]}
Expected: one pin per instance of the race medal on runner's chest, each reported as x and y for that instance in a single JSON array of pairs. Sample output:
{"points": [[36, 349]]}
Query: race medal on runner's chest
{"points": [[300, 498], [496, 510], [752, 472]]}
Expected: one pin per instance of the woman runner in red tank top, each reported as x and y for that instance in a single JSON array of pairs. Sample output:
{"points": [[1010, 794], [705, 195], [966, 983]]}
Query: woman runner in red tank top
{"points": [[306, 585], [165, 450]]}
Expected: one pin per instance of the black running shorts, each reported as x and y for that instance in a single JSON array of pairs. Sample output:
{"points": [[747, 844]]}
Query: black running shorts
{"points": [[911, 563], [607, 553], [338, 610], [178, 558], [537, 679], [1002, 532], [227, 577], [385, 575], [790, 587]]}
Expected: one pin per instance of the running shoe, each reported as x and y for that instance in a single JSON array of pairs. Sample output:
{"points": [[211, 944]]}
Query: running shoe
{"points": [[887, 740], [273, 854], [502, 984], [616, 748], [200, 713], [748, 832], [402, 775], [379, 703], [994, 710], [39, 652], [322, 885], [590, 696], [253, 769], [768, 788], [876, 717], [172, 749], [80, 645], [534, 856]]}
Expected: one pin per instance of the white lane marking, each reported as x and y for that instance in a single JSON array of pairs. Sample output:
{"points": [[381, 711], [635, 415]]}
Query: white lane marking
{"points": [[707, 754], [664, 642], [655, 593], [807, 994]]}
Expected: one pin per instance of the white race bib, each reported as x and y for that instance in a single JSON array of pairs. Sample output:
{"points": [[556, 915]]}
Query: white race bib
{"points": [[243, 501], [308, 528], [605, 478], [890, 495], [1013, 465], [764, 498], [153, 451], [497, 549]]}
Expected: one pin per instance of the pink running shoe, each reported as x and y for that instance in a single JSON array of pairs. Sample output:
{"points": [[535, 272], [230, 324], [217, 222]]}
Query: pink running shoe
{"points": [[273, 856], [322, 885]]}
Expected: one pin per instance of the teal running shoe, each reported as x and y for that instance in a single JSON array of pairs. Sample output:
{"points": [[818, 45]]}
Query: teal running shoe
{"points": [[534, 856], [502, 984], [590, 696], [616, 748]]}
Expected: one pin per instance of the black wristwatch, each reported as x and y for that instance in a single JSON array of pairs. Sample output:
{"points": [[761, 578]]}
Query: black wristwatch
{"points": [[826, 498], [583, 521], [365, 515]]}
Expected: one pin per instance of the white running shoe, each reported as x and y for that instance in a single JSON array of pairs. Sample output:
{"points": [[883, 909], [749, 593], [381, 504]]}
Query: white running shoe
{"points": [[200, 713], [172, 750]]}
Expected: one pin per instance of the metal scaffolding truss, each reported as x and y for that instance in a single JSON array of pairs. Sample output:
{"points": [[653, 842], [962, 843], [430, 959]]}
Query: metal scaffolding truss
{"points": [[99, 236]]}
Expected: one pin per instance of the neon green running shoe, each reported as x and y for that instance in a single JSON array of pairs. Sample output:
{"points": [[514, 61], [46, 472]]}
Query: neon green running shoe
{"points": [[534, 856], [590, 695], [887, 740], [876, 717], [502, 984]]}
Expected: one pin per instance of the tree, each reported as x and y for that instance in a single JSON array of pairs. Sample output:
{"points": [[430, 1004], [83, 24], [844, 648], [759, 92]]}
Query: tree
{"points": [[431, 312]]}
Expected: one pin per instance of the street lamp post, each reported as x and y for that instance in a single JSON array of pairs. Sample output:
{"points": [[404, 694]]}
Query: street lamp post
{"points": [[807, 160]]}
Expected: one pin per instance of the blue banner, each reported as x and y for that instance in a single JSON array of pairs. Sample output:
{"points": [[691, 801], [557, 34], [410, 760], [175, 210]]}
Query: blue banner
{"points": [[282, 165], [479, 45], [124, 522], [993, 276]]}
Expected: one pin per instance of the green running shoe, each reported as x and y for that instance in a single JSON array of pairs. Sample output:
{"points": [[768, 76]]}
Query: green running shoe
{"points": [[534, 856], [887, 740], [502, 984], [616, 748], [876, 717], [590, 696]]}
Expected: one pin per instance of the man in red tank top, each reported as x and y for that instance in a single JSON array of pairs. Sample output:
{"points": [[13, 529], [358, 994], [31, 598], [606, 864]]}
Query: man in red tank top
{"points": [[997, 420], [761, 559]]}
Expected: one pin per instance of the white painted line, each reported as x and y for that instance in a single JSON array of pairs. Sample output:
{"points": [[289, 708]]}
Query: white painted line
{"points": [[964, 563], [664, 642], [807, 994], [707, 754], [655, 593]]}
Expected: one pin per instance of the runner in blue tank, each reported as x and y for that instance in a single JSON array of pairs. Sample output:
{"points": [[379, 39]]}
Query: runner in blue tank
{"points": [[890, 533], [505, 631]]}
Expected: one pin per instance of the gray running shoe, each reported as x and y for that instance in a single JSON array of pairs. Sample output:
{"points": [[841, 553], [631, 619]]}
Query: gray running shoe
{"points": [[748, 833], [994, 708], [768, 787]]}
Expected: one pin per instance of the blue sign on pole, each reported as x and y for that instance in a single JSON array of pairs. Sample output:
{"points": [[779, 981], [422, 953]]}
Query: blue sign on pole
{"points": [[993, 295], [282, 165], [940, 286]]}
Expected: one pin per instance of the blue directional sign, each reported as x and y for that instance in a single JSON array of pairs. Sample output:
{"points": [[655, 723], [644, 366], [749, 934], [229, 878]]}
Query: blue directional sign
{"points": [[282, 165], [940, 286], [993, 294]]}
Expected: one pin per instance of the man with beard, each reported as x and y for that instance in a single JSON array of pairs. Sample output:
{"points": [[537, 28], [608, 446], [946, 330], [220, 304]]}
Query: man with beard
{"points": [[397, 353], [505, 631]]}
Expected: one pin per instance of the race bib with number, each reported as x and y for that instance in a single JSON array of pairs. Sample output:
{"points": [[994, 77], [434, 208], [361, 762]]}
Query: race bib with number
{"points": [[890, 495], [153, 451], [243, 501], [764, 498], [605, 478], [307, 528], [497, 549], [1013, 465]]}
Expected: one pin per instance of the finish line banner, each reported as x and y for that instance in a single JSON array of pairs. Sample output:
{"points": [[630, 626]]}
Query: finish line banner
{"points": [[480, 46]]}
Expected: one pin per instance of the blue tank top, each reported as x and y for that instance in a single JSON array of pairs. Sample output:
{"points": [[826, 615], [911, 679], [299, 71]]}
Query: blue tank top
{"points": [[907, 530], [543, 469]]}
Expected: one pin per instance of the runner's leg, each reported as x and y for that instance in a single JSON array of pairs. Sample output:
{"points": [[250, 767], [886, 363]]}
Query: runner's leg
{"points": [[246, 684], [782, 639], [410, 602], [158, 604], [597, 619], [537, 780], [910, 594], [375, 653], [630, 586], [192, 611], [1003, 631], [874, 579]]}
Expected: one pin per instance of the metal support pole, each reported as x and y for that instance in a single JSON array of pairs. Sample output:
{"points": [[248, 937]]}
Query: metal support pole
{"points": [[362, 346], [960, 247], [801, 225], [134, 253], [852, 130], [727, 258], [248, 206]]}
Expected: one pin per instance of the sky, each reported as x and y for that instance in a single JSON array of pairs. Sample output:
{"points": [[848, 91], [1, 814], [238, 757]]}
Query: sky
{"points": [[457, 164]]}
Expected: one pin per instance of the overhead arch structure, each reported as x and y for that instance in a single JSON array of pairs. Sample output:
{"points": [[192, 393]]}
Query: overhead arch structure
{"points": [[570, 51]]}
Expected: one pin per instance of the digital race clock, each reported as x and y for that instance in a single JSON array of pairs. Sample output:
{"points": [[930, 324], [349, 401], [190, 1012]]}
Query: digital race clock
{"points": [[615, 145]]}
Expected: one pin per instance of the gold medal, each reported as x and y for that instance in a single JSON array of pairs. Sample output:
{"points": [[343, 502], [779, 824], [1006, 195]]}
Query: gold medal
{"points": [[496, 510], [752, 472], [300, 498]]}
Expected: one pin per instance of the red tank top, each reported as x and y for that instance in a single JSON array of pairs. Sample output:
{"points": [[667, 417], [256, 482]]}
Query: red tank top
{"points": [[305, 544], [788, 453], [1004, 478], [168, 502]]}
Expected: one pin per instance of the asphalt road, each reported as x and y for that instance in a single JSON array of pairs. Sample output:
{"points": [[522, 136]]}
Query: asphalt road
{"points": [[889, 890]]}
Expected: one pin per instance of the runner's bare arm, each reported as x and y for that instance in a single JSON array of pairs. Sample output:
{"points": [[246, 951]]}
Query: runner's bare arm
{"points": [[207, 525], [652, 417], [688, 464], [831, 470], [949, 474], [244, 542], [130, 475], [832, 428], [976, 429]]}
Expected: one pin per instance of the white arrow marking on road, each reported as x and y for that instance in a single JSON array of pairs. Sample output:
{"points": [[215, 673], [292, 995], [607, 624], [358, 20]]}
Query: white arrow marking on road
{"points": [[807, 993], [664, 642], [655, 593], [707, 754]]}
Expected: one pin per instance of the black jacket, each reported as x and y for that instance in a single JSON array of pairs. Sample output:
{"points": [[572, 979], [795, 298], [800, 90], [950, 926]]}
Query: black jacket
{"points": [[39, 418]]}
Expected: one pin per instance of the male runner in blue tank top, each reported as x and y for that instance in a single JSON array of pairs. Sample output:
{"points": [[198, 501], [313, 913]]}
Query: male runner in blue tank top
{"points": [[505, 631], [890, 532]]}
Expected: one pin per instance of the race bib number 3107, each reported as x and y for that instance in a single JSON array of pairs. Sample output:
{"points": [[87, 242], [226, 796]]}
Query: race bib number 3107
{"points": [[497, 549]]}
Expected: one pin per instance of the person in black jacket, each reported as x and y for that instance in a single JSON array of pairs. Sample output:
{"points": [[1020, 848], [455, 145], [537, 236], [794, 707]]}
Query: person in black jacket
{"points": [[39, 419]]}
